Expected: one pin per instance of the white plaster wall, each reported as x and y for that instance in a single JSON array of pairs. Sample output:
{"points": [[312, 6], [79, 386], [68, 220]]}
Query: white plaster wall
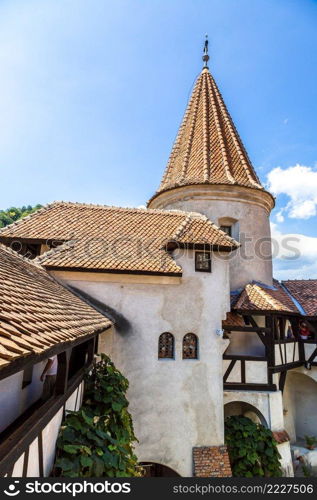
{"points": [[245, 343], [300, 404], [74, 402], [235, 374], [269, 404], [18, 467], [14, 400], [253, 260], [309, 349], [10, 390], [256, 372], [33, 464], [32, 392], [284, 450], [287, 353], [50, 433], [176, 404]]}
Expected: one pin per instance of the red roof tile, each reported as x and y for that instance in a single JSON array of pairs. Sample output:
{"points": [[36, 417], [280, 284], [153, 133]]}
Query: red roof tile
{"points": [[36, 312], [305, 292], [257, 296]]}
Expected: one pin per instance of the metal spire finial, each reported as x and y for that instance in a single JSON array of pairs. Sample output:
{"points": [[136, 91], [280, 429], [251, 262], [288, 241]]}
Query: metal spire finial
{"points": [[206, 56]]}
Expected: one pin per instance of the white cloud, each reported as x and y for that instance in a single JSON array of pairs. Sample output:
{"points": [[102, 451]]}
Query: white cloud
{"points": [[280, 216], [295, 255], [299, 183]]}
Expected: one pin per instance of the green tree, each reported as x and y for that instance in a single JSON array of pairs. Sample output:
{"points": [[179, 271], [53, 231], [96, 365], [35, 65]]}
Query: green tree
{"points": [[13, 214], [252, 448], [97, 440]]}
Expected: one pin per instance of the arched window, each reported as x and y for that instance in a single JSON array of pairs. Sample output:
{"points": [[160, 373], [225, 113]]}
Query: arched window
{"points": [[190, 346], [166, 346]]}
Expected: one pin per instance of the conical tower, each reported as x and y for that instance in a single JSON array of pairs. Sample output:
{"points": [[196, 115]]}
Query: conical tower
{"points": [[209, 171]]}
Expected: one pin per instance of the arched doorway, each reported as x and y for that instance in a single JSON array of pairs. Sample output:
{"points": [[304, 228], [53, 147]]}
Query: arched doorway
{"points": [[153, 469], [246, 410]]}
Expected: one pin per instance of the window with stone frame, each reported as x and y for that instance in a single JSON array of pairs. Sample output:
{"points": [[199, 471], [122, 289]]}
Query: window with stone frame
{"points": [[227, 229], [190, 346], [166, 346]]}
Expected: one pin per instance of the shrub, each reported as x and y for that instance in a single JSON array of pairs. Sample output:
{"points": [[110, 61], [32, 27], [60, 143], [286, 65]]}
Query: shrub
{"points": [[13, 214], [252, 448], [97, 440]]}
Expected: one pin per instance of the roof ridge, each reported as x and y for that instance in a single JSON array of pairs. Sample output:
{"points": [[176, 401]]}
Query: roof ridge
{"points": [[181, 228], [115, 208], [219, 133], [145, 210], [191, 133], [299, 279]]}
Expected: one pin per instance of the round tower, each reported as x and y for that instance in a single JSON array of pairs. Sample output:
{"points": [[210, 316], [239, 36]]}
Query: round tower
{"points": [[209, 171]]}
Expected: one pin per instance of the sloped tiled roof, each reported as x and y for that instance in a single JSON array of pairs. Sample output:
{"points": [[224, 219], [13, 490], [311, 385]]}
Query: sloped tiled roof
{"points": [[304, 292], [115, 239], [257, 296], [233, 319], [36, 312], [208, 149]]}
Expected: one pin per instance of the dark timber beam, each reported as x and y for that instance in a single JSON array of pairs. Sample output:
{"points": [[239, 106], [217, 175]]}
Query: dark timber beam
{"points": [[249, 387], [229, 369], [282, 381], [282, 368], [250, 329]]}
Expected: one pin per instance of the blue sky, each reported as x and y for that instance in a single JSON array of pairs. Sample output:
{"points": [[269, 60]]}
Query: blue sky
{"points": [[92, 94]]}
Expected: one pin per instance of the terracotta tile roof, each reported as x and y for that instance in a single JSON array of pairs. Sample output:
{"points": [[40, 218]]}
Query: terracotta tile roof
{"points": [[257, 296], [36, 312], [208, 149], [305, 293], [233, 319], [116, 239]]}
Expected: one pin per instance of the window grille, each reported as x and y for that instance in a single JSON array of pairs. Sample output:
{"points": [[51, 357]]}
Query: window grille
{"points": [[166, 346], [190, 346]]}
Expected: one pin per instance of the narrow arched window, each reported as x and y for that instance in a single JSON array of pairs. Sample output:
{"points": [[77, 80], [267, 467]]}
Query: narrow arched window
{"points": [[166, 346], [190, 346]]}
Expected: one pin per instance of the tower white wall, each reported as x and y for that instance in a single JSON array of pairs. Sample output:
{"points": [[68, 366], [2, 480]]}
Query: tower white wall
{"points": [[247, 209]]}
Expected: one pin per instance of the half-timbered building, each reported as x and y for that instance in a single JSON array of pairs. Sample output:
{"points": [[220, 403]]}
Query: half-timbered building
{"points": [[39, 319]]}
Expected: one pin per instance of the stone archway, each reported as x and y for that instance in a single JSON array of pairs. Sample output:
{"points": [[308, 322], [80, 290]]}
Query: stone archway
{"points": [[153, 469], [245, 409]]}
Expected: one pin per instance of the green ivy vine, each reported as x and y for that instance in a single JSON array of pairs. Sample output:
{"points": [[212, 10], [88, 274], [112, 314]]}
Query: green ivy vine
{"points": [[97, 440], [252, 448]]}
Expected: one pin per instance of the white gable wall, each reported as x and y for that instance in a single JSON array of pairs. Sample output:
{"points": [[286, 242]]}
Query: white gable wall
{"points": [[176, 404]]}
